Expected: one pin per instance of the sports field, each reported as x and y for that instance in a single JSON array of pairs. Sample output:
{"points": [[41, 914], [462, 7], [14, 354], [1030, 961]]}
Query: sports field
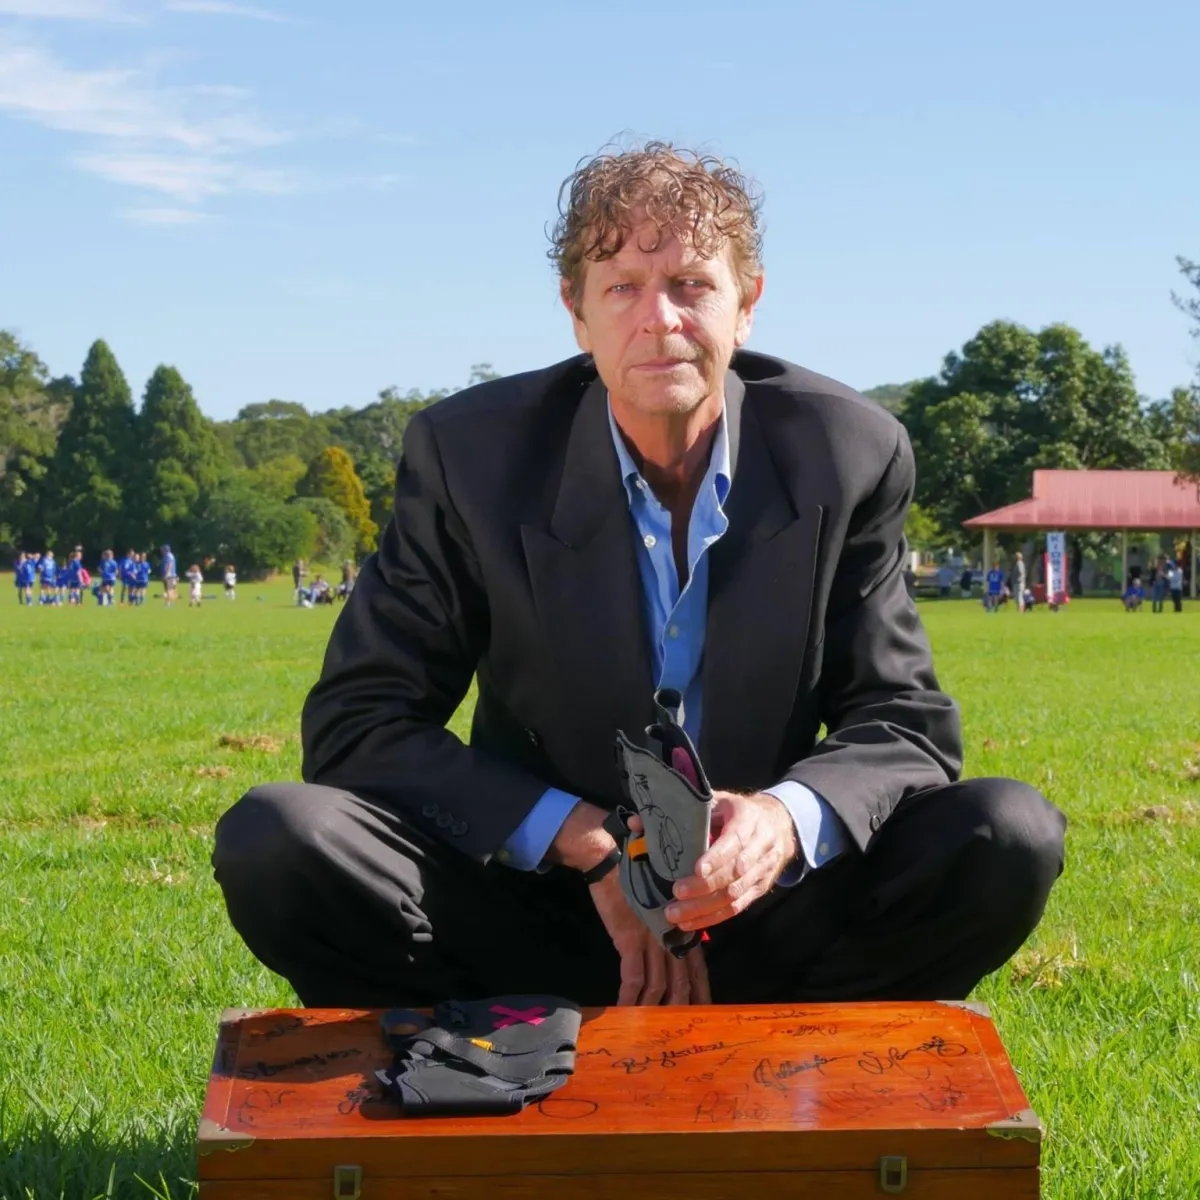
{"points": [[125, 733]]}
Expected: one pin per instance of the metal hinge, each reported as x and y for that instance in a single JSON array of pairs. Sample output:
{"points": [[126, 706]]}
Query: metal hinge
{"points": [[893, 1173], [347, 1183]]}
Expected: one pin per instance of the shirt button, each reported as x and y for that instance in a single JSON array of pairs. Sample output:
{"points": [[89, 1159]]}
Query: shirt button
{"points": [[674, 631], [650, 541], [445, 820], [430, 810], [459, 828]]}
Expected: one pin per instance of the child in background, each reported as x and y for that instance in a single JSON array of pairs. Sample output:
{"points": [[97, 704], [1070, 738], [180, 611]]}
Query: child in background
{"points": [[230, 582], [48, 570], [196, 579]]}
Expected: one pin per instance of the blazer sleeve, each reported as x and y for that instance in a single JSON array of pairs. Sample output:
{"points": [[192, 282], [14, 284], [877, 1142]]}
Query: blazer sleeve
{"points": [[399, 662], [890, 730]]}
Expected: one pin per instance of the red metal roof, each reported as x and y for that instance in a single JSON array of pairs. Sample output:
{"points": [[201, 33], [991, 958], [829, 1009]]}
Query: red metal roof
{"points": [[1146, 500]]}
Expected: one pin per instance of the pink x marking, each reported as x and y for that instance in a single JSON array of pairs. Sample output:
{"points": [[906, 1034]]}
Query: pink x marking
{"points": [[514, 1016]]}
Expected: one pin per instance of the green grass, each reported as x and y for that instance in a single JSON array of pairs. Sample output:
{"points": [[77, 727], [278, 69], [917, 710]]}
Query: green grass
{"points": [[116, 957]]}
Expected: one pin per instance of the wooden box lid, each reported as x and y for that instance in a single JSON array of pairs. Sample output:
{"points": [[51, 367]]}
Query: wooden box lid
{"points": [[775, 1088]]}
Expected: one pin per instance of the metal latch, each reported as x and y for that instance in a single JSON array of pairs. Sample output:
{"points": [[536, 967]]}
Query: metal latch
{"points": [[893, 1173], [347, 1183]]}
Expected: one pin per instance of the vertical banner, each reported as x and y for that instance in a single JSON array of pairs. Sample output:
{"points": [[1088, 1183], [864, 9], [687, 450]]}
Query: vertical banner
{"points": [[1056, 569]]}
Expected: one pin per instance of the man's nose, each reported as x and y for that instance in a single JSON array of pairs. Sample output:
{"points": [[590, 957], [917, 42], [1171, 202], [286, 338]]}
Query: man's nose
{"points": [[660, 314]]}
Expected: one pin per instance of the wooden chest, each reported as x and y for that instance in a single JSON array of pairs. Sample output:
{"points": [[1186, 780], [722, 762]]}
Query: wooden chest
{"points": [[836, 1101]]}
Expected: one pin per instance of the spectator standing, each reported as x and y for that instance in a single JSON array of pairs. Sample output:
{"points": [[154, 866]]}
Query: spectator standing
{"points": [[1158, 584], [1175, 584], [230, 582], [170, 577], [1018, 586]]}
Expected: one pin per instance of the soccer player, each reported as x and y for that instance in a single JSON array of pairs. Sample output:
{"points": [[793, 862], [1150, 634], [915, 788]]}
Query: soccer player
{"points": [[125, 574], [108, 570], [196, 578], [995, 588], [26, 573], [70, 578], [48, 570], [230, 582]]}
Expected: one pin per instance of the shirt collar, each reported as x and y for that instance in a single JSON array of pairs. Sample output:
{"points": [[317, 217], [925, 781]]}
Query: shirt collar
{"points": [[718, 473]]}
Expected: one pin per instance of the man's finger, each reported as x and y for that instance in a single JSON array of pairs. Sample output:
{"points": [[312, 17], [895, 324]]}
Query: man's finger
{"points": [[697, 969], [730, 843], [633, 974], [679, 989], [655, 986], [750, 890]]}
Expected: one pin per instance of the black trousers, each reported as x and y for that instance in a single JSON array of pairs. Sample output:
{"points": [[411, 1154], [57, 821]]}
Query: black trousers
{"points": [[355, 907]]}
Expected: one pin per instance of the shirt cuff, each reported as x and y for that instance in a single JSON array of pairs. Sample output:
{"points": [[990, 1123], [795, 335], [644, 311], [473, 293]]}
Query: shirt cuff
{"points": [[819, 830], [527, 845]]}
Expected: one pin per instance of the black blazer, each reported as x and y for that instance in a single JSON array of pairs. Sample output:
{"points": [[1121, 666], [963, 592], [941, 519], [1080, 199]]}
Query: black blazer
{"points": [[510, 556]]}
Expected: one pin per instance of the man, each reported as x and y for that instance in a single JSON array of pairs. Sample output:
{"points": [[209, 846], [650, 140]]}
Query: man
{"points": [[169, 575], [1019, 581], [665, 509]]}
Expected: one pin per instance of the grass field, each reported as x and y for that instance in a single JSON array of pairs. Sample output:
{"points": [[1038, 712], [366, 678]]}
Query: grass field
{"points": [[125, 733]]}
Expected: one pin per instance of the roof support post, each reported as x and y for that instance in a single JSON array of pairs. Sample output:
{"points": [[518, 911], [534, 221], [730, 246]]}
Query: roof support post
{"points": [[1124, 559], [1192, 585]]}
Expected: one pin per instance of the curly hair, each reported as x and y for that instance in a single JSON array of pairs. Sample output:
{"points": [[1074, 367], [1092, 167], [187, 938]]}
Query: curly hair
{"points": [[700, 199]]}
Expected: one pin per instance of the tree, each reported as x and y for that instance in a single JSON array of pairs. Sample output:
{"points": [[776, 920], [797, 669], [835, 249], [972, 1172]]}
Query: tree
{"points": [[32, 410], [276, 429], [922, 530], [331, 476], [333, 540], [94, 457], [180, 462], [256, 533], [1186, 442]]}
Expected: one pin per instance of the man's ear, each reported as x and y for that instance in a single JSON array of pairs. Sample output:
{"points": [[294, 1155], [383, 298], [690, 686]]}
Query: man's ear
{"points": [[745, 321], [566, 294]]}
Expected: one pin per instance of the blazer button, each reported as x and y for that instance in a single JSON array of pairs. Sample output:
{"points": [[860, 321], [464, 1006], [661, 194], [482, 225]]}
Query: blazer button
{"points": [[445, 820], [876, 821], [430, 810], [459, 828]]}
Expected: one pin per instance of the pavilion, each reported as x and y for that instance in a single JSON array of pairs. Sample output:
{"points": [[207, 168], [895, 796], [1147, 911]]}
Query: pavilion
{"points": [[1100, 501]]}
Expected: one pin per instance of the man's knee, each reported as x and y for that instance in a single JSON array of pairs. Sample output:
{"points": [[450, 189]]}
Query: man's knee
{"points": [[1017, 845], [270, 835]]}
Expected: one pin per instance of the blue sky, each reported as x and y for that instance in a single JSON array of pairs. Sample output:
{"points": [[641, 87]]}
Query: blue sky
{"points": [[313, 201]]}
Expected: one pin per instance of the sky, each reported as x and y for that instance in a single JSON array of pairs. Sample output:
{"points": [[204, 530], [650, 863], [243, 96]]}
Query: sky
{"points": [[313, 201]]}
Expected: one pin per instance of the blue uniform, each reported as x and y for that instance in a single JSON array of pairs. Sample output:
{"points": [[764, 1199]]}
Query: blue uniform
{"points": [[142, 573], [26, 573], [995, 582], [168, 566], [49, 569], [108, 570]]}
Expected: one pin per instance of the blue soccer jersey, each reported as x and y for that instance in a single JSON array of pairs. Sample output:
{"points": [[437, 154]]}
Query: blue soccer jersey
{"points": [[108, 570], [995, 582], [49, 573], [168, 565], [142, 573]]}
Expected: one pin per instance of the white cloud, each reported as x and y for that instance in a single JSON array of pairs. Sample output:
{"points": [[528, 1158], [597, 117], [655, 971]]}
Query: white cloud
{"points": [[186, 143], [164, 216], [221, 8], [71, 10], [189, 179]]}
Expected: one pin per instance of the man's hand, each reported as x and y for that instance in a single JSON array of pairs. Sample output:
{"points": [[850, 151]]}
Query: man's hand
{"points": [[649, 974], [755, 843]]}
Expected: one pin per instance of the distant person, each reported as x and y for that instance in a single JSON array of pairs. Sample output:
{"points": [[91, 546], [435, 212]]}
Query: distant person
{"points": [[965, 583], [995, 588], [109, 570], [24, 577], [72, 578], [196, 578], [945, 578], [1175, 584], [1018, 583], [48, 579], [230, 582], [1134, 595], [170, 578], [348, 577], [299, 574], [141, 577], [319, 593], [125, 567]]}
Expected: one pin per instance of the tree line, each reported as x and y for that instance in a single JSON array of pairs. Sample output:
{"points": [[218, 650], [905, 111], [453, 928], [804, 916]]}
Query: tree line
{"points": [[80, 464]]}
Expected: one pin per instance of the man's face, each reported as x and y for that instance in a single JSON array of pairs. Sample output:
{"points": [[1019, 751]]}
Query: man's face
{"points": [[662, 326]]}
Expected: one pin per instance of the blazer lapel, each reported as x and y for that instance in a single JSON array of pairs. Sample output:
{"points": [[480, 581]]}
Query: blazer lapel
{"points": [[587, 591], [761, 578]]}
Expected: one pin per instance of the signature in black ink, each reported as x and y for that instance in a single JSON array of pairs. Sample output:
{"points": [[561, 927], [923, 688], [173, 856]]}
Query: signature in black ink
{"points": [[290, 1025], [591, 1053], [264, 1070], [811, 1031], [716, 1107], [938, 1047], [771, 1076], [783, 1014], [666, 1058], [949, 1097], [260, 1100], [666, 1036], [353, 1098], [859, 1100], [710, 1075]]}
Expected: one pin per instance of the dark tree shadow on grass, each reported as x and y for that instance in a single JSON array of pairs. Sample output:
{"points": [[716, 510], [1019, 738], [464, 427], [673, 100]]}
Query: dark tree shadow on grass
{"points": [[64, 1163]]}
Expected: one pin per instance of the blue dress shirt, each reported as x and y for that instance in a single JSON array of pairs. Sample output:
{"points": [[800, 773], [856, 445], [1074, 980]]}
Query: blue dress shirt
{"points": [[676, 619]]}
